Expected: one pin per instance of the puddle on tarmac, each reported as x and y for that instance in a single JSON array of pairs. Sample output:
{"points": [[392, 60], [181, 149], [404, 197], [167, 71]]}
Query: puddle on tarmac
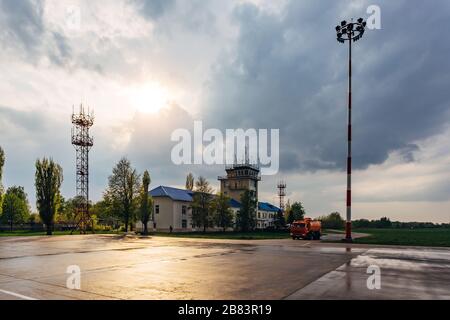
{"points": [[405, 259]]}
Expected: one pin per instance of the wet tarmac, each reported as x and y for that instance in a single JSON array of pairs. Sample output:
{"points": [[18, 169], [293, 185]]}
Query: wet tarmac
{"points": [[124, 267]]}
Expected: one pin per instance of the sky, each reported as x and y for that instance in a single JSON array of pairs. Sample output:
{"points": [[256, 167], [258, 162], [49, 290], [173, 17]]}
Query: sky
{"points": [[149, 67]]}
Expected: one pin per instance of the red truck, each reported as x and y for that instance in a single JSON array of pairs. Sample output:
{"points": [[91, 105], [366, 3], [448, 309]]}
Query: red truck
{"points": [[306, 229]]}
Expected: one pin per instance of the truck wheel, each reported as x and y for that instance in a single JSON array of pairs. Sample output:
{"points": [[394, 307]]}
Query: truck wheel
{"points": [[294, 238], [318, 235]]}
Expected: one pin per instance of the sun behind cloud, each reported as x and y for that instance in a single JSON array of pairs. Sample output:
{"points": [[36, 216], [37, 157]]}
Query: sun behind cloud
{"points": [[149, 97]]}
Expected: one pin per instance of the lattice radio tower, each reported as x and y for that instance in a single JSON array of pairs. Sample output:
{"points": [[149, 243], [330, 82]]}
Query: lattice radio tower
{"points": [[82, 142], [282, 193]]}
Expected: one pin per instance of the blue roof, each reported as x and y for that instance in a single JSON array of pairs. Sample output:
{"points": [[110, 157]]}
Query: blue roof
{"points": [[173, 193], [265, 206], [186, 195], [234, 203]]}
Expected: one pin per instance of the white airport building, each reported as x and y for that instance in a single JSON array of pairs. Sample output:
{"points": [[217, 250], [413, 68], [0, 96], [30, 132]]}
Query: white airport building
{"points": [[172, 206]]}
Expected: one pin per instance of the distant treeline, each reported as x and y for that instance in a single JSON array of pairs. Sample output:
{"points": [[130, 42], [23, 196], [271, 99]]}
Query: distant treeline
{"points": [[335, 221], [387, 223]]}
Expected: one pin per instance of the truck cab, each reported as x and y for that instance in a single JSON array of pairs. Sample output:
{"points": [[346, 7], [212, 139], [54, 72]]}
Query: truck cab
{"points": [[306, 229]]}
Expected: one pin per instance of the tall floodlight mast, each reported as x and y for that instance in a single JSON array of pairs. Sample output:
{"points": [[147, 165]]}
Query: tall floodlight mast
{"points": [[351, 32], [82, 142]]}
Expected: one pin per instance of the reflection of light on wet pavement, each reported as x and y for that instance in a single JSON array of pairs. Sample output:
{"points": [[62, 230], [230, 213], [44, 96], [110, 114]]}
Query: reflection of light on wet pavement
{"points": [[16, 295], [406, 273], [403, 259], [115, 267]]}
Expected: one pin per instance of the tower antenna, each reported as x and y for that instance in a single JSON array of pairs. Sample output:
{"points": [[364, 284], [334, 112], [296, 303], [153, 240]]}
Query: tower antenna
{"points": [[82, 142], [246, 155], [281, 193]]}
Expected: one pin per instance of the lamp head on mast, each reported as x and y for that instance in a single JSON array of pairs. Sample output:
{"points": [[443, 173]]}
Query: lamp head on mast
{"points": [[348, 31]]}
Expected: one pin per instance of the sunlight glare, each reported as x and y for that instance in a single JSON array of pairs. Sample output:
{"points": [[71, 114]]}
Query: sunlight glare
{"points": [[149, 98]]}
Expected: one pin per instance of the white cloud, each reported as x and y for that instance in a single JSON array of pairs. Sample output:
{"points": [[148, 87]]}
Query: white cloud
{"points": [[257, 62], [79, 19]]}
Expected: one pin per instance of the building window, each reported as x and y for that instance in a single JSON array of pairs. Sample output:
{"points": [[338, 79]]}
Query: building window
{"points": [[157, 209], [184, 223], [183, 210]]}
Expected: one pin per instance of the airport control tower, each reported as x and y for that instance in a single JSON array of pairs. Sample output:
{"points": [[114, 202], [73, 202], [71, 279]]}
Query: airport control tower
{"points": [[239, 178]]}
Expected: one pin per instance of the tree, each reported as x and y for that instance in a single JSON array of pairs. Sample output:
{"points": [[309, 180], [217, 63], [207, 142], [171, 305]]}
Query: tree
{"points": [[361, 223], [246, 216], [20, 192], [296, 212], [333, 221], [222, 214], [106, 214], [68, 210], [34, 218], [201, 204], [146, 201], [123, 190], [15, 206], [287, 210], [384, 222], [48, 180], [2, 163], [11, 208], [280, 222], [190, 182]]}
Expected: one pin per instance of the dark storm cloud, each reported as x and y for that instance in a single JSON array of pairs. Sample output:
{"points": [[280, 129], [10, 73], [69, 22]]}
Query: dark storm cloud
{"points": [[153, 8], [195, 16], [287, 71], [29, 121], [150, 147], [26, 136], [22, 20], [23, 29], [61, 51], [150, 143]]}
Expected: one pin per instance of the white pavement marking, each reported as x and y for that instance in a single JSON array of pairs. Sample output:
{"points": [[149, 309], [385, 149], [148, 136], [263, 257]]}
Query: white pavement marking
{"points": [[17, 295]]}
